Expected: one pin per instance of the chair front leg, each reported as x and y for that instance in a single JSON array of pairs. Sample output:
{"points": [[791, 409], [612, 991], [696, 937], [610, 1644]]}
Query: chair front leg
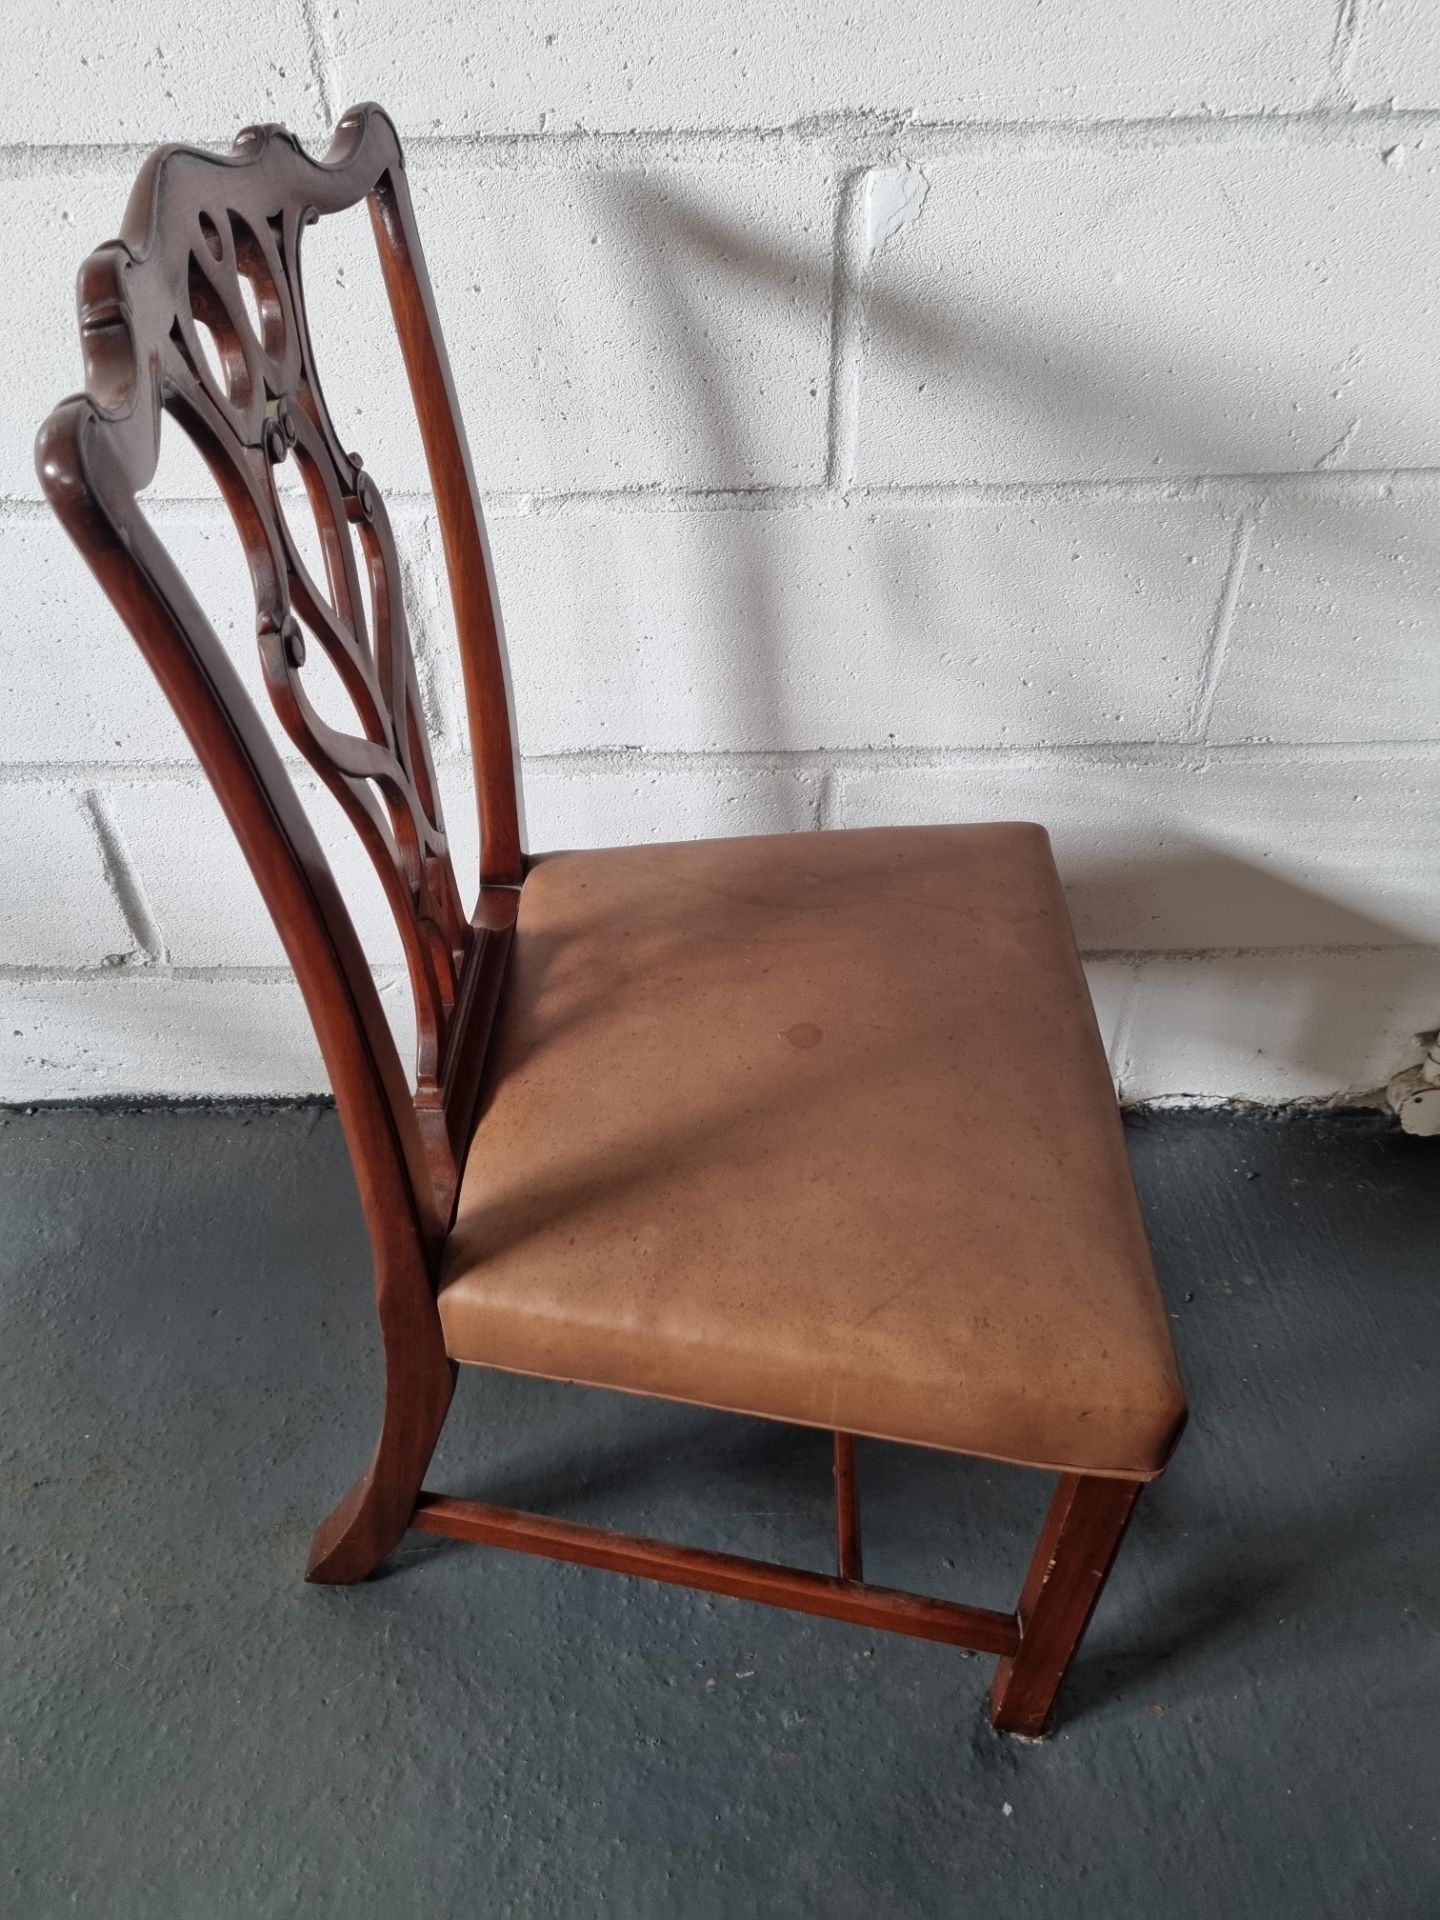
{"points": [[1078, 1544]]}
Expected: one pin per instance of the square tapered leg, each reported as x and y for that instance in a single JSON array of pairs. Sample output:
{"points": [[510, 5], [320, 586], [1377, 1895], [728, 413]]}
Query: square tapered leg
{"points": [[1081, 1536]]}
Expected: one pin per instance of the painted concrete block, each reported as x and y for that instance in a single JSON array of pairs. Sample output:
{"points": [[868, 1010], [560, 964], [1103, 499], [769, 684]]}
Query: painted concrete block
{"points": [[977, 624], [656, 803], [1067, 314], [147, 72], [51, 223], [1336, 634], [73, 686], [616, 68], [119, 1035], [199, 888], [1397, 60], [1275, 1027], [57, 906]]}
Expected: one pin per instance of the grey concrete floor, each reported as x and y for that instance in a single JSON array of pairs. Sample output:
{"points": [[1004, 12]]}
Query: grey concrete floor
{"points": [[190, 1378]]}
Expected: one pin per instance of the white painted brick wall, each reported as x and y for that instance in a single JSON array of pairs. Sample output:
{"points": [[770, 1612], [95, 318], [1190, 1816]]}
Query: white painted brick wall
{"points": [[1006, 412]]}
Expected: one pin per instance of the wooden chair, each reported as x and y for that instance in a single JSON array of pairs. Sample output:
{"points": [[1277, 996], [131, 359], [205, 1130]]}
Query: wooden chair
{"points": [[815, 1127]]}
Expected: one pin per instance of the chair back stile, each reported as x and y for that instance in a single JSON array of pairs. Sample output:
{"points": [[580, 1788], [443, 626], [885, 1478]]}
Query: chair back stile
{"points": [[198, 226]]}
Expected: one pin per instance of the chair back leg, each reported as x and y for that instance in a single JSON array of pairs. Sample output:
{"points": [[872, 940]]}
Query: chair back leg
{"points": [[372, 1518]]}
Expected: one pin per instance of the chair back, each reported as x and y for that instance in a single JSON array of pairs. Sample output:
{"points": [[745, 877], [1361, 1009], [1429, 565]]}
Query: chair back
{"points": [[198, 311]]}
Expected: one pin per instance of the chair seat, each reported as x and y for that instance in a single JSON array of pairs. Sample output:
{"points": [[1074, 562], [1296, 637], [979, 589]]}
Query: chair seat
{"points": [[816, 1127]]}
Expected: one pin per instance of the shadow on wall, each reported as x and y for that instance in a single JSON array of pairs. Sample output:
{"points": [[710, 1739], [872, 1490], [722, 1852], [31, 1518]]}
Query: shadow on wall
{"points": [[1175, 893], [1255, 994], [1198, 898]]}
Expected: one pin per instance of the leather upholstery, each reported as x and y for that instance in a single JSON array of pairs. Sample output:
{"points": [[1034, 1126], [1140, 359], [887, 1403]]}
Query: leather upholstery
{"points": [[817, 1127]]}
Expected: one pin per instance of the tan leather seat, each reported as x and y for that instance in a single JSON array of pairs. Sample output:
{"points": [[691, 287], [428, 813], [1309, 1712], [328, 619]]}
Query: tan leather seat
{"points": [[817, 1127]]}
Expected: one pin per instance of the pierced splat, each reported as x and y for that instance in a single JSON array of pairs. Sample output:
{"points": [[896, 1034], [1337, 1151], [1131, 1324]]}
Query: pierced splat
{"points": [[383, 777], [245, 314]]}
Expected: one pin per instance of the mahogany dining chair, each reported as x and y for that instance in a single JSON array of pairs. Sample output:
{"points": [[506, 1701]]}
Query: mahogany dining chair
{"points": [[815, 1127]]}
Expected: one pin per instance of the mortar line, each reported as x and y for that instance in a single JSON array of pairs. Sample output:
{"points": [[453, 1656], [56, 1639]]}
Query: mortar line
{"points": [[1185, 956], [1125, 1022], [856, 137], [827, 801], [430, 641], [1217, 644], [322, 55], [585, 762], [123, 880], [384, 974], [1235, 492], [848, 139], [1338, 90], [847, 332], [936, 756], [392, 974]]}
